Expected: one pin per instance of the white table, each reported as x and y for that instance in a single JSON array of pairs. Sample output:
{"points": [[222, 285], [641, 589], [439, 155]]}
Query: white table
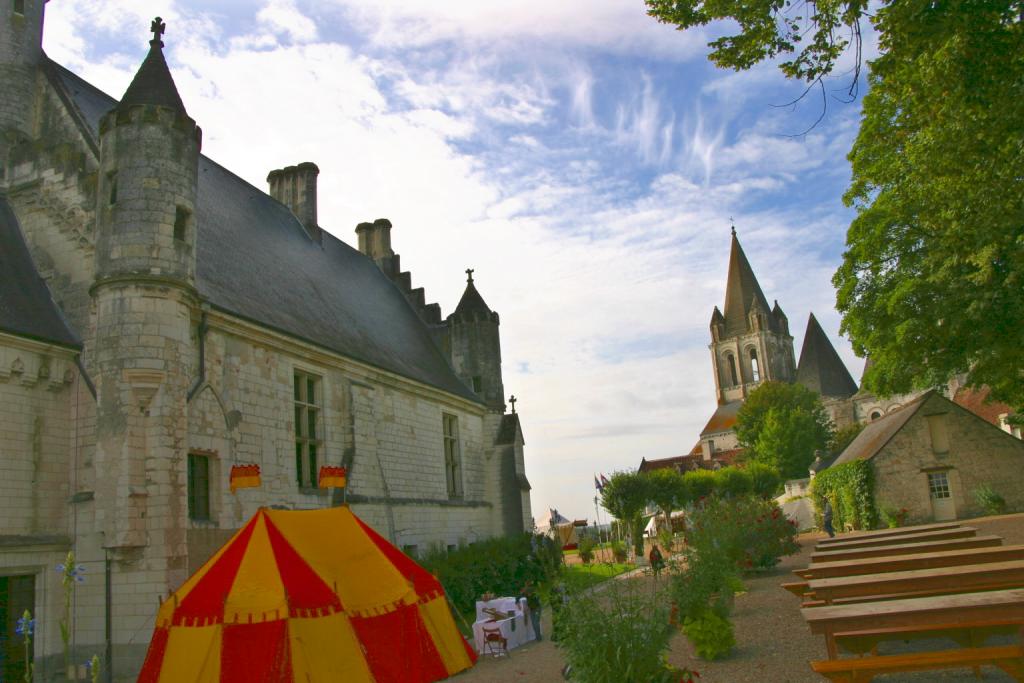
{"points": [[516, 629]]}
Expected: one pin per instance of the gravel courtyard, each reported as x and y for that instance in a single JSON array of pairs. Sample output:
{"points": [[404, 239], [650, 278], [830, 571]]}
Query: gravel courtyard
{"points": [[773, 644]]}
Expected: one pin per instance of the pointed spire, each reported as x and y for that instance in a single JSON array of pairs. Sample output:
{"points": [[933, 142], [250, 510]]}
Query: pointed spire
{"points": [[153, 83], [471, 301], [741, 290], [820, 369], [716, 317]]}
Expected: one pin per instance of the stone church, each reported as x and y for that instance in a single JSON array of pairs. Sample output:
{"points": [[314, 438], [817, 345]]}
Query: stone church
{"points": [[162, 321]]}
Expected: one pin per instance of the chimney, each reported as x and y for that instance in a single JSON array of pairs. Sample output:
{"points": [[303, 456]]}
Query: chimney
{"points": [[375, 242], [295, 187]]}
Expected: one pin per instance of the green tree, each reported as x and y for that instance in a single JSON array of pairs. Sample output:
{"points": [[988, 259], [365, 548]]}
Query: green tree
{"points": [[668, 492], [766, 480], [625, 496], [844, 437], [699, 484], [932, 282], [781, 425]]}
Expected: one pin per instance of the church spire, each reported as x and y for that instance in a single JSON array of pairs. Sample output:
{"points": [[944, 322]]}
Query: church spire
{"points": [[471, 301], [820, 369], [153, 83], [741, 291]]}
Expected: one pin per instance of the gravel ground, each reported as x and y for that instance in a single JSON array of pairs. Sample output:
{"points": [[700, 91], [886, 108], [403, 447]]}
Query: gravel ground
{"points": [[773, 644]]}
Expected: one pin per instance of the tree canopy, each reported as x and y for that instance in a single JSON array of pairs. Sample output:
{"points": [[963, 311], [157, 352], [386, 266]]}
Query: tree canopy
{"points": [[781, 425], [932, 282], [625, 496]]}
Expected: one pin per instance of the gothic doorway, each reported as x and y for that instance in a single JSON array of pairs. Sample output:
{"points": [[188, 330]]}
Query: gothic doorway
{"points": [[17, 594]]}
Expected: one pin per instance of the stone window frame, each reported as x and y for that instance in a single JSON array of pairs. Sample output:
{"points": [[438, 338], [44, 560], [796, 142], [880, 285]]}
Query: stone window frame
{"points": [[452, 455], [938, 482], [196, 511], [309, 442], [755, 363], [731, 371]]}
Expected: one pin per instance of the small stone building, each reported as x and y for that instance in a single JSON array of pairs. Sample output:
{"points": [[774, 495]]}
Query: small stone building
{"points": [[161, 321], [931, 455]]}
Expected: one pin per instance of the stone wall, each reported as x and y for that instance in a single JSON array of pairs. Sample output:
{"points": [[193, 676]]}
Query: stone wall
{"points": [[978, 453]]}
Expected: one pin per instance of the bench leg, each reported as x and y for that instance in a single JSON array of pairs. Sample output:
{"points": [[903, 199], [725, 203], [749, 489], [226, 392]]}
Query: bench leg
{"points": [[1014, 668]]}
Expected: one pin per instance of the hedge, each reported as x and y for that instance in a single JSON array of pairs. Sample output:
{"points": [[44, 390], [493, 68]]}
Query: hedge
{"points": [[850, 487]]}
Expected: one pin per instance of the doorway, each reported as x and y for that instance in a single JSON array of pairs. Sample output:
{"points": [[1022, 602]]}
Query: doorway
{"points": [[943, 505], [17, 594]]}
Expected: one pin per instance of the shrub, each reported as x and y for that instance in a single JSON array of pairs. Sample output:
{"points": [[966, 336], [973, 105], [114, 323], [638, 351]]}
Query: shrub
{"points": [[850, 487], [618, 636], [752, 532], [894, 518], [711, 635], [498, 565], [667, 540], [766, 480], [990, 501], [619, 551], [700, 484], [733, 481], [587, 549]]}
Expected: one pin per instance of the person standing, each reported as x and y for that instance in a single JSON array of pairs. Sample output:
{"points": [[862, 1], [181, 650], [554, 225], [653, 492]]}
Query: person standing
{"points": [[656, 559], [533, 602], [826, 519]]}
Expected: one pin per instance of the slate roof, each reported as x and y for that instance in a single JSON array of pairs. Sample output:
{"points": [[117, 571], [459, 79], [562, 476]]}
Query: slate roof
{"points": [[508, 429], [472, 302], [26, 307], [678, 463], [820, 369], [153, 83], [723, 419], [255, 260], [877, 434], [742, 292]]}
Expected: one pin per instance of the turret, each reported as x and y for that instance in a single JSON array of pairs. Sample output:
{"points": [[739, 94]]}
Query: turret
{"points": [[21, 38], [475, 346], [717, 325], [144, 297]]}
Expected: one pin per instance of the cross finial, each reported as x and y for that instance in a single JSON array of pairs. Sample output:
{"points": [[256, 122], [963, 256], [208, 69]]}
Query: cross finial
{"points": [[512, 399], [469, 274], [733, 222], [157, 27]]}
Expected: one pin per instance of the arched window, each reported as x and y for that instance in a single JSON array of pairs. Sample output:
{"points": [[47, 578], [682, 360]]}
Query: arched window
{"points": [[731, 360], [755, 371], [875, 415]]}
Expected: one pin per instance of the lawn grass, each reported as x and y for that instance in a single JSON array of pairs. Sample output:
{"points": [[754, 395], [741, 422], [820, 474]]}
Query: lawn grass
{"points": [[583, 576]]}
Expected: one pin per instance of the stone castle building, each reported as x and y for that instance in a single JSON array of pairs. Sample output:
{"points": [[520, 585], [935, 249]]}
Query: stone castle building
{"points": [[161, 321]]}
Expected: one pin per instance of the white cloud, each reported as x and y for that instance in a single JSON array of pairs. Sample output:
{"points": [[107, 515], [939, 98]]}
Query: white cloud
{"points": [[283, 17]]}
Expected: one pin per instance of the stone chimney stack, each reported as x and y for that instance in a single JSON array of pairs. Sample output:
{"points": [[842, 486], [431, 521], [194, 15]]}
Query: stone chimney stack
{"points": [[375, 242], [295, 187]]}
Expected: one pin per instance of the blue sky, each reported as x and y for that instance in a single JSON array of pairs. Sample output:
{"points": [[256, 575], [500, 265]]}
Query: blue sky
{"points": [[584, 159]]}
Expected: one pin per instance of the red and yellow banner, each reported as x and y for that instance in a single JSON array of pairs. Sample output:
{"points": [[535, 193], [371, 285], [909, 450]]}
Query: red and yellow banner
{"points": [[244, 477], [332, 477]]}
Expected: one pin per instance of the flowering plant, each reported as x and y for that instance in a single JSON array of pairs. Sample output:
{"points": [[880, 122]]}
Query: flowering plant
{"points": [[71, 573], [26, 627]]}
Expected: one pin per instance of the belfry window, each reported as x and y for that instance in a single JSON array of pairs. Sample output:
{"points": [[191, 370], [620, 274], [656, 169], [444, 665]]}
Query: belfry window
{"points": [[755, 370], [731, 360]]}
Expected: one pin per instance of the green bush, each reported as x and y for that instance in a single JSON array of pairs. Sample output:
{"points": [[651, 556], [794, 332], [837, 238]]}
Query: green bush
{"points": [[586, 548], [990, 501], [894, 518], [752, 532], [850, 487], [497, 565], [619, 551], [700, 484], [766, 480], [618, 636], [733, 481], [711, 635]]}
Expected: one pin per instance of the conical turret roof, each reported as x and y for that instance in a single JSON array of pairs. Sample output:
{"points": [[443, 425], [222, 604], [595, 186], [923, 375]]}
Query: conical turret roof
{"points": [[741, 291], [820, 369], [153, 83], [471, 301]]}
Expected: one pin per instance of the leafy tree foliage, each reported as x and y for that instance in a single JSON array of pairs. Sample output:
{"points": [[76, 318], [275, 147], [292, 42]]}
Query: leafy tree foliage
{"points": [[932, 283], [844, 437], [625, 496], [781, 425], [668, 492]]}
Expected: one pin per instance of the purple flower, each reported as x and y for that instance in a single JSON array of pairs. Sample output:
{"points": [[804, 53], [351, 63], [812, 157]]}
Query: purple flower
{"points": [[26, 625], [76, 572]]}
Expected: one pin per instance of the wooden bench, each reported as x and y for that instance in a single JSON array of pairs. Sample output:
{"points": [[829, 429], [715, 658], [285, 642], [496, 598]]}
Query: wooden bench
{"points": [[1009, 658], [880, 533], [797, 588], [923, 537], [895, 563], [906, 549]]}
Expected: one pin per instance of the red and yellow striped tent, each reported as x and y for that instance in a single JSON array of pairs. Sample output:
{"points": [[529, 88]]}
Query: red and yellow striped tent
{"points": [[312, 595]]}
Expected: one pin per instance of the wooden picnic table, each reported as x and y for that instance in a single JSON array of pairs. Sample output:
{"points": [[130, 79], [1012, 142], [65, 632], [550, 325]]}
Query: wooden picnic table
{"points": [[893, 563], [977, 614], [922, 537], [881, 533], [906, 549], [919, 582]]}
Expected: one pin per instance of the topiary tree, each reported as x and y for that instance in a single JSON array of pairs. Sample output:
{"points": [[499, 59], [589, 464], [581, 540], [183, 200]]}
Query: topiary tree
{"points": [[625, 496], [668, 492]]}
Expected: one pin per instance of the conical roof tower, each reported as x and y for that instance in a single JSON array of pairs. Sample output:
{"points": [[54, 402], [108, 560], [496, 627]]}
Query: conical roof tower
{"points": [[742, 292], [820, 369]]}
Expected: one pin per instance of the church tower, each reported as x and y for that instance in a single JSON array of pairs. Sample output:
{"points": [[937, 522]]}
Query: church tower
{"points": [[750, 341], [144, 297], [21, 38], [475, 346]]}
